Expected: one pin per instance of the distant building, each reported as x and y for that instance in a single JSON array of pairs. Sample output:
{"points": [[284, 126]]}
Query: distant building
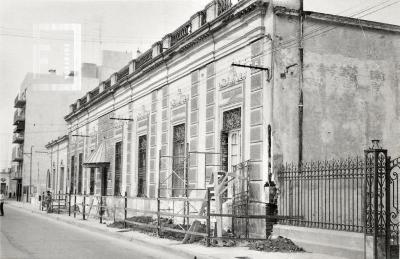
{"points": [[6, 185], [57, 176], [112, 61], [40, 105]]}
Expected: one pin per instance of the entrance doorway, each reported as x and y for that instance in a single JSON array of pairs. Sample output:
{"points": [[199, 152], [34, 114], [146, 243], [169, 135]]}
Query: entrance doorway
{"points": [[142, 161], [178, 152], [231, 138]]}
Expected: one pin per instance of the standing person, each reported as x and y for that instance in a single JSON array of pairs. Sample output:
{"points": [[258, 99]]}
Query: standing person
{"points": [[2, 199], [48, 201]]}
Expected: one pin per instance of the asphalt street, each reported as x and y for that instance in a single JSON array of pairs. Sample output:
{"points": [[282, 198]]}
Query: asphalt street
{"points": [[27, 235]]}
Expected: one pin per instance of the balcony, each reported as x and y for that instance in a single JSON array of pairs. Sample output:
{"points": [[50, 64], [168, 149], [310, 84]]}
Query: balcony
{"points": [[19, 116], [18, 138], [20, 127], [16, 172], [17, 154], [20, 100]]}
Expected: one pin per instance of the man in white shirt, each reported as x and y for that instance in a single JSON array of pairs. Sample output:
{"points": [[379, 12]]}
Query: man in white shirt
{"points": [[2, 198]]}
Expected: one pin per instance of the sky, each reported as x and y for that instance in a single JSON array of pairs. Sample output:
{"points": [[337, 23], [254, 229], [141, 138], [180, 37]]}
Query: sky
{"points": [[122, 25]]}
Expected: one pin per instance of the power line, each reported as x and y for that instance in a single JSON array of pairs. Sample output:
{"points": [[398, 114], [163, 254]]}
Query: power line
{"points": [[307, 36]]}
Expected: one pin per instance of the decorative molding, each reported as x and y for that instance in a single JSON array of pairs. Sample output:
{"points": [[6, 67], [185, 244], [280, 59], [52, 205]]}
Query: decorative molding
{"points": [[233, 78], [232, 119], [182, 99]]}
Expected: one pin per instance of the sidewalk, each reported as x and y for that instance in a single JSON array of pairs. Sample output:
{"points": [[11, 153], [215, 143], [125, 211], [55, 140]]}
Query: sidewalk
{"points": [[176, 247]]}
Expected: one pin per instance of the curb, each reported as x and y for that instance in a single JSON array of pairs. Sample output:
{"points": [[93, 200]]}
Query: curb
{"points": [[117, 235]]}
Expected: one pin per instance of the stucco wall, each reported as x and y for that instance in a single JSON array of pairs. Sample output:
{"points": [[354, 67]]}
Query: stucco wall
{"points": [[206, 84], [351, 91]]}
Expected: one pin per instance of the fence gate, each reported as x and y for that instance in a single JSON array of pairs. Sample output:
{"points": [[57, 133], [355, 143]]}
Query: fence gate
{"points": [[381, 204]]}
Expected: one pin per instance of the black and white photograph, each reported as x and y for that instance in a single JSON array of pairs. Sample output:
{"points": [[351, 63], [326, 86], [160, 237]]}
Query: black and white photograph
{"points": [[199, 129]]}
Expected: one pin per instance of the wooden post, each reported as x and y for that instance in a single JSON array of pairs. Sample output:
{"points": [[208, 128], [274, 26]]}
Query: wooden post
{"points": [[42, 200], [233, 209], [101, 209], [84, 205], [186, 172], [158, 195], [69, 204], [266, 220], [114, 210], [208, 217], [218, 205], [59, 197], [75, 204], [125, 208]]}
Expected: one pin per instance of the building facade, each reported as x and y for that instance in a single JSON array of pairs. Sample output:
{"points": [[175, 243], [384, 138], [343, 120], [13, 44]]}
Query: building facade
{"points": [[234, 89], [40, 105], [57, 173], [7, 186]]}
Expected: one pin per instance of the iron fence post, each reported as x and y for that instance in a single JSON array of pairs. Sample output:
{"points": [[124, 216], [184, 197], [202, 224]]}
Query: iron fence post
{"points": [[376, 222], [125, 208], [75, 204], [208, 217], [387, 205], [84, 205]]}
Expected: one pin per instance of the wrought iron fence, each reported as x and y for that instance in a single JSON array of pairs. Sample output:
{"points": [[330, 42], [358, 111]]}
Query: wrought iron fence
{"points": [[323, 194]]}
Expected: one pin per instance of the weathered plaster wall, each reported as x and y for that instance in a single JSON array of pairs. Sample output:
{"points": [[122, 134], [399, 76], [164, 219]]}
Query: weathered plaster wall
{"points": [[351, 91], [285, 91]]}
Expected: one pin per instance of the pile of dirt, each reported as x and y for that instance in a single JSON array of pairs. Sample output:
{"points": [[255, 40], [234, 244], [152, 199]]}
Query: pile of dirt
{"points": [[221, 243], [275, 244], [117, 224], [141, 219], [165, 222]]}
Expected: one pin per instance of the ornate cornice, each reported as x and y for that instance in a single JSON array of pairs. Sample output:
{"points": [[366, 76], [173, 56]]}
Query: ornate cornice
{"points": [[185, 44]]}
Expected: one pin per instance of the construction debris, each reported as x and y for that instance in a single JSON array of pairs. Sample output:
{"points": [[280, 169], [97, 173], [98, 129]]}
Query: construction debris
{"points": [[278, 244]]}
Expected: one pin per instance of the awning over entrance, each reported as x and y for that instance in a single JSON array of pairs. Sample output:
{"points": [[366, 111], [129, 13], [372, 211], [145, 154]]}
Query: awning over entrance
{"points": [[97, 158]]}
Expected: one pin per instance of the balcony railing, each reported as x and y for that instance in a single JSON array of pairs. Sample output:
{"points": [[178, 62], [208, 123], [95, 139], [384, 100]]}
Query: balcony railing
{"points": [[20, 127], [20, 101], [16, 172], [144, 58], [18, 138], [18, 117], [180, 33], [175, 37], [107, 84], [17, 154], [122, 73], [223, 5]]}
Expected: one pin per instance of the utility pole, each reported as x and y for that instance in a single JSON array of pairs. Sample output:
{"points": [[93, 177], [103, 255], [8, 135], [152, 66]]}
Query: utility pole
{"points": [[30, 174], [29, 194], [301, 79]]}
